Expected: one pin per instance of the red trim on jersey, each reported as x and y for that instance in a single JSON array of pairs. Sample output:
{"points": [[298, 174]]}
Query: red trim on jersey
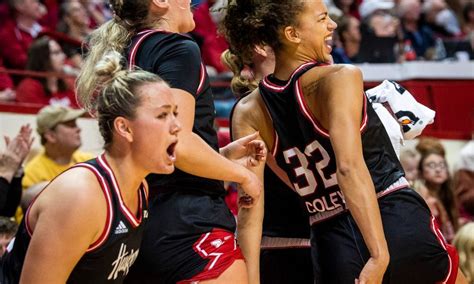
{"points": [[202, 79], [309, 115], [27, 222], [110, 212], [307, 112], [144, 31], [452, 254], [106, 192], [365, 119], [277, 88], [390, 190], [276, 141], [134, 221], [145, 189], [144, 34]]}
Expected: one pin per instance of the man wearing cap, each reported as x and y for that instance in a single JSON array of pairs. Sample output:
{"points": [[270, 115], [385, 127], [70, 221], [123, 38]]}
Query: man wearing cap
{"points": [[61, 138]]}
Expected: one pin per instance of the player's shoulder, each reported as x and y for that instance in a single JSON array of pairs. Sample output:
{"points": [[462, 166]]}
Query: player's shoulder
{"points": [[250, 103], [330, 76], [174, 41], [334, 71]]}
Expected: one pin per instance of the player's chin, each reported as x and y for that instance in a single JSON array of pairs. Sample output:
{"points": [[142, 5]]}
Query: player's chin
{"points": [[165, 168]]}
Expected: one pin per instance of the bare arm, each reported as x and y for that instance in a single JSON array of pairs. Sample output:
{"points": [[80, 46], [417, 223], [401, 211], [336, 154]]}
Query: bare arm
{"points": [[58, 219], [196, 157], [344, 103], [250, 220]]}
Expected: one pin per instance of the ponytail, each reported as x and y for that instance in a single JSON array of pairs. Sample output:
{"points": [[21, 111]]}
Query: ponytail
{"points": [[240, 84]]}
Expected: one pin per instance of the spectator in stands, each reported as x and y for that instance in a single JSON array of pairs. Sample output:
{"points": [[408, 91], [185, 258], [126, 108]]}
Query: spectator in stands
{"points": [[20, 32], [349, 39], [379, 29], [8, 230], [11, 170], [6, 84], [434, 172], [468, 19], [61, 139], [370, 7], [98, 11], [464, 183], [441, 19], [207, 17], [383, 24], [464, 242], [415, 33], [348, 7], [410, 160], [75, 24], [45, 55], [5, 13]]}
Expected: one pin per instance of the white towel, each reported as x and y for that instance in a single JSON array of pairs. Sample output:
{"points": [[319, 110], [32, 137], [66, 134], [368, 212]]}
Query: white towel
{"points": [[412, 116], [391, 126]]}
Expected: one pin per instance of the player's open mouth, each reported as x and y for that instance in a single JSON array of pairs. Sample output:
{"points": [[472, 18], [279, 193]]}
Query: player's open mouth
{"points": [[329, 42], [171, 151]]}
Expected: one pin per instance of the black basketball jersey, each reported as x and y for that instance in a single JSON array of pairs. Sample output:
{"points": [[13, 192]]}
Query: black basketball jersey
{"points": [[109, 259], [303, 148], [167, 54], [283, 216]]}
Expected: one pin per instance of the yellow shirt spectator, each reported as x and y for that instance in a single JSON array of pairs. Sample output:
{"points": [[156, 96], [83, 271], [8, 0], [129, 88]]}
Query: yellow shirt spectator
{"points": [[42, 168]]}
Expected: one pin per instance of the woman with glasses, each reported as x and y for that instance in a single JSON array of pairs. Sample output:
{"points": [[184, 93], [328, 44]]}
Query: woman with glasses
{"points": [[434, 172]]}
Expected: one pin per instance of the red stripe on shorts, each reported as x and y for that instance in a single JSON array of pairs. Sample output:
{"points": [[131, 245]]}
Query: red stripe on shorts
{"points": [[221, 249]]}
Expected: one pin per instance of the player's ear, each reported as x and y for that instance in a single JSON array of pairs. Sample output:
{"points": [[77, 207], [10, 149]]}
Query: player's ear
{"points": [[123, 129], [160, 4], [291, 34]]}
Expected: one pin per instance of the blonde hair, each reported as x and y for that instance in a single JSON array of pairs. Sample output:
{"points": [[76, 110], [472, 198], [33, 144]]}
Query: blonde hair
{"points": [[116, 92], [114, 35], [464, 242], [240, 85]]}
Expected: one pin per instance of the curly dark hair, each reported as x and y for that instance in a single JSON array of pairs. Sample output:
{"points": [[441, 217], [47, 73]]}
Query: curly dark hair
{"points": [[248, 23]]}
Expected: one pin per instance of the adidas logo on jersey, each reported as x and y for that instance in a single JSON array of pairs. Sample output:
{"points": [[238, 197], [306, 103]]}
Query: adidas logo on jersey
{"points": [[121, 228]]}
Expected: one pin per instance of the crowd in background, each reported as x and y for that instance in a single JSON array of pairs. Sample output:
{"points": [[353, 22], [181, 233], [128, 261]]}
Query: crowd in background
{"points": [[48, 36], [389, 30]]}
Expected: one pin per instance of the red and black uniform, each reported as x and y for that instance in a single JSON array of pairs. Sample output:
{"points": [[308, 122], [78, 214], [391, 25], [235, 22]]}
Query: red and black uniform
{"points": [[190, 236], [108, 259], [285, 255], [303, 149]]}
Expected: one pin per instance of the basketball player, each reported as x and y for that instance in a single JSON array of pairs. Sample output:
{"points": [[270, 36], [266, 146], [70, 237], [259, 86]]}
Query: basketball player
{"points": [[285, 227], [366, 224], [86, 226], [190, 236]]}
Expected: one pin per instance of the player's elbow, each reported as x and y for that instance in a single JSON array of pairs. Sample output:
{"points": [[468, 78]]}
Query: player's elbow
{"points": [[347, 168], [344, 170]]}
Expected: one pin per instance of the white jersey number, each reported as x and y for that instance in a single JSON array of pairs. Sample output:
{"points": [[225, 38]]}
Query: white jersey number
{"points": [[310, 184]]}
